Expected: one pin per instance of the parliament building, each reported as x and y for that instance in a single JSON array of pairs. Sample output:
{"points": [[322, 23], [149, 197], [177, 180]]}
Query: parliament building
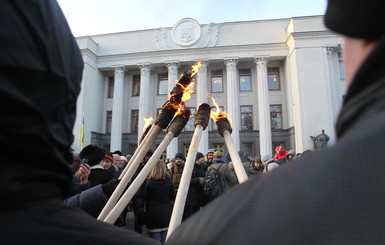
{"points": [[280, 81]]}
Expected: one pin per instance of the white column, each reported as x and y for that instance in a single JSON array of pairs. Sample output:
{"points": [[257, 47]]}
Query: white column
{"points": [[201, 91], [232, 99], [263, 106], [173, 77], [117, 109], [144, 98], [333, 88]]}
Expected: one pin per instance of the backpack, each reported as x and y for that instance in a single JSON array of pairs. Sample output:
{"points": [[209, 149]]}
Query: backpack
{"points": [[213, 186]]}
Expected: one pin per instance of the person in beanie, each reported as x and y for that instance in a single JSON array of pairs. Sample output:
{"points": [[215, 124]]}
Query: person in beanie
{"points": [[268, 163], [41, 70], [323, 197], [176, 170], [256, 168], [208, 159]]}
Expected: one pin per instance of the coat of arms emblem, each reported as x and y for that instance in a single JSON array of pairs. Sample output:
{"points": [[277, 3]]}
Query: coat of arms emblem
{"points": [[187, 33]]}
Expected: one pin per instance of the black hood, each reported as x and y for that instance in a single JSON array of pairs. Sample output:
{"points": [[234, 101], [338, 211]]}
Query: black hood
{"points": [[40, 75]]}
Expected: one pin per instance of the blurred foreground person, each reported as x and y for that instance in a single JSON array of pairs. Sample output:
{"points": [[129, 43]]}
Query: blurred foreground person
{"points": [[324, 197], [40, 74]]}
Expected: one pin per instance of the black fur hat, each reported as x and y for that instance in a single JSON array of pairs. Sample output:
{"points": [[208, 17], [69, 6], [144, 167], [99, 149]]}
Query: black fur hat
{"points": [[93, 154]]}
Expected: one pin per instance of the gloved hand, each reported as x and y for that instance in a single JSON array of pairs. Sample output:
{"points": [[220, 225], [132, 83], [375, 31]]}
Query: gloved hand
{"points": [[109, 187]]}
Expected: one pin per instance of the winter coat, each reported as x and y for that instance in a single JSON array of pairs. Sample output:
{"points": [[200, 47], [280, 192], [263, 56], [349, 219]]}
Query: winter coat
{"points": [[254, 171], [99, 176], [91, 200], [158, 195], [195, 191]]}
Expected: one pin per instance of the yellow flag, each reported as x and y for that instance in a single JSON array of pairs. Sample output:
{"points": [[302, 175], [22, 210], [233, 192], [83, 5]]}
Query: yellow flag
{"points": [[82, 134]]}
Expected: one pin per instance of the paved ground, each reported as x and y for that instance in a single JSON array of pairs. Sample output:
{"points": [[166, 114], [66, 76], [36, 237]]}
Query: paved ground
{"points": [[130, 223]]}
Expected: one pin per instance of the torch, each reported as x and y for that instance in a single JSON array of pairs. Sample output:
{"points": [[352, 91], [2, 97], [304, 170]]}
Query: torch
{"points": [[173, 130], [169, 109], [224, 129], [201, 120]]}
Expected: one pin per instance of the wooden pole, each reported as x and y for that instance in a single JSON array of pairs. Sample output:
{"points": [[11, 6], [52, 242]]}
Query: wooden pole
{"points": [[201, 121], [128, 175], [180, 200]]}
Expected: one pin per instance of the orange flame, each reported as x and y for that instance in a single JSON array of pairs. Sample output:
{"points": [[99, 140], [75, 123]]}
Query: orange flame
{"points": [[217, 114], [196, 68], [147, 121]]}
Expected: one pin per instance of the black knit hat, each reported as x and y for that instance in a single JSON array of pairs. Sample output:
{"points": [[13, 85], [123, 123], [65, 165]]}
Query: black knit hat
{"points": [[93, 154], [199, 156], [357, 19], [180, 156]]}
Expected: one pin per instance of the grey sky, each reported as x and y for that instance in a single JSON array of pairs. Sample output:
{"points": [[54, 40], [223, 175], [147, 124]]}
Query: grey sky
{"points": [[89, 17]]}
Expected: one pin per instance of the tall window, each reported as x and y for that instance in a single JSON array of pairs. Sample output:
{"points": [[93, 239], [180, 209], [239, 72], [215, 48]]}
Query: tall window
{"points": [[273, 78], [216, 81], [162, 83], [110, 89], [108, 121], [134, 121], [341, 66], [247, 117], [186, 147], [276, 116], [136, 85], [244, 80], [248, 149], [214, 124], [190, 123]]}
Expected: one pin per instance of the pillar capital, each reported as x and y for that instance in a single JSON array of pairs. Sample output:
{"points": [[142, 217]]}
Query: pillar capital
{"points": [[231, 60], [331, 49], [118, 67], [144, 65], [261, 60], [172, 64]]}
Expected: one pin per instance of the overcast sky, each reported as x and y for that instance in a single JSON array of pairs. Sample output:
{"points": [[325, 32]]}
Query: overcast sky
{"points": [[90, 17]]}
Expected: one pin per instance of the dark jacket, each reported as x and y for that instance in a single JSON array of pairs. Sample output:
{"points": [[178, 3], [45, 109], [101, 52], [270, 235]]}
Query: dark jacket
{"points": [[91, 200], [158, 196], [195, 191], [322, 198], [254, 171], [99, 176]]}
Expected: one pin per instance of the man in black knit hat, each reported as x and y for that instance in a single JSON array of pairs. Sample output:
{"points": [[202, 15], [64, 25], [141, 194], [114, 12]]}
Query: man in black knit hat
{"points": [[335, 195], [40, 75]]}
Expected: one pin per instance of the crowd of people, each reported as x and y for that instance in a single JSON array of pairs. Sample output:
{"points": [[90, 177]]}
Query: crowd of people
{"points": [[323, 197], [96, 173]]}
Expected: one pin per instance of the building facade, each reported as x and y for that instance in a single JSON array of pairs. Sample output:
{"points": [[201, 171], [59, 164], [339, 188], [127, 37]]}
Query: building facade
{"points": [[280, 82]]}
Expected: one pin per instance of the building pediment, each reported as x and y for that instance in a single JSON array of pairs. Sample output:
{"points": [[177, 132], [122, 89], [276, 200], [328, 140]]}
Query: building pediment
{"points": [[187, 33]]}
